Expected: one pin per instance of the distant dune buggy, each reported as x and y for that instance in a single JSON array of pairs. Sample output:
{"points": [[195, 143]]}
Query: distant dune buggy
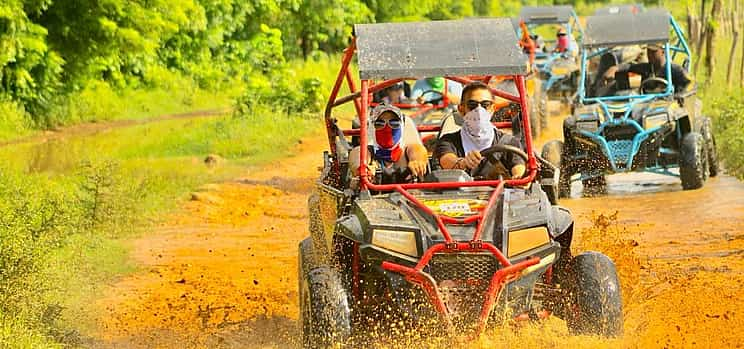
{"points": [[625, 124], [448, 251], [558, 69]]}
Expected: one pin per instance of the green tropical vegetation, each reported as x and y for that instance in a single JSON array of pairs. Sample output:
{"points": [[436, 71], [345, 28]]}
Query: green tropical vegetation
{"points": [[62, 62]]}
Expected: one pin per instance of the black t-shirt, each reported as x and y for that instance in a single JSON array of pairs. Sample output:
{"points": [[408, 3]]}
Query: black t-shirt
{"points": [[680, 80], [452, 143]]}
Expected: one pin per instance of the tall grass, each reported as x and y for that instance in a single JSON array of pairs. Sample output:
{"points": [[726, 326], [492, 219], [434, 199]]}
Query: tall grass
{"points": [[103, 189]]}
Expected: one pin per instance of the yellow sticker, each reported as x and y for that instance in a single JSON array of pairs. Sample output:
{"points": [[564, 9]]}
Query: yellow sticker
{"points": [[456, 207]]}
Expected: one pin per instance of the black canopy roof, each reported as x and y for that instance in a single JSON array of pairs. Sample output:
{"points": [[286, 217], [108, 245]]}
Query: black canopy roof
{"points": [[625, 29], [439, 48], [619, 10], [546, 14]]}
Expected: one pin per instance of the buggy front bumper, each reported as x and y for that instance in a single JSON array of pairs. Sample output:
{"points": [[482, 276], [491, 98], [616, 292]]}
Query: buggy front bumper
{"points": [[505, 274]]}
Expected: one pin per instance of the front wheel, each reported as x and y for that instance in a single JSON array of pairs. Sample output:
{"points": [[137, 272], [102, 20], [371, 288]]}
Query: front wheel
{"points": [[324, 306], [710, 144], [596, 306], [693, 167]]}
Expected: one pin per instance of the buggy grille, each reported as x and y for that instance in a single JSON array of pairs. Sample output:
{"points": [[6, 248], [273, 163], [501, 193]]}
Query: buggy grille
{"points": [[462, 279], [620, 151], [463, 266]]}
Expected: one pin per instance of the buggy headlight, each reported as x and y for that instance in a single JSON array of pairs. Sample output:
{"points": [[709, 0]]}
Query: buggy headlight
{"points": [[559, 70], [652, 121], [587, 125], [395, 240], [526, 239]]}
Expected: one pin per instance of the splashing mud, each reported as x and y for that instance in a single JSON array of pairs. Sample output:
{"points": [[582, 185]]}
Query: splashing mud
{"points": [[222, 272]]}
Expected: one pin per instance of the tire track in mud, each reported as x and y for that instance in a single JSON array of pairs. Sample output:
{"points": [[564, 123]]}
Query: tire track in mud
{"points": [[222, 272], [89, 128]]}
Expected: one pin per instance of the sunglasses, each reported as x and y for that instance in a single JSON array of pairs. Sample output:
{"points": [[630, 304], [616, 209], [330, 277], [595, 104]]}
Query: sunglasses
{"points": [[394, 123], [472, 104]]}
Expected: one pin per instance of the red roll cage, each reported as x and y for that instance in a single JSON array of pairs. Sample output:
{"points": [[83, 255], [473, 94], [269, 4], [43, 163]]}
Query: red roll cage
{"points": [[362, 101]]}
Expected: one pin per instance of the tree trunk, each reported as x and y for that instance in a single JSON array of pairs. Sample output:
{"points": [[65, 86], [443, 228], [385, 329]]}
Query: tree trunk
{"points": [[700, 37], [741, 67], [691, 28], [732, 54], [710, 38]]}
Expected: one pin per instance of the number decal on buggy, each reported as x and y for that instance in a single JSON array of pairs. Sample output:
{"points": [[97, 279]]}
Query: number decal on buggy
{"points": [[456, 207]]}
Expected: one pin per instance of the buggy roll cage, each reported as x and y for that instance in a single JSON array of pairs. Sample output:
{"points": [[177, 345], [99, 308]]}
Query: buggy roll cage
{"points": [[560, 15], [361, 98], [626, 104], [670, 51]]}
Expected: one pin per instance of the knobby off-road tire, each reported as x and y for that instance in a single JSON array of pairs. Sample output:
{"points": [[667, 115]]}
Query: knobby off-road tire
{"points": [[693, 164], [535, 123], [317, 233], [553, 153], [596, 303], [595, 186], [710, 144], [324, 307]]}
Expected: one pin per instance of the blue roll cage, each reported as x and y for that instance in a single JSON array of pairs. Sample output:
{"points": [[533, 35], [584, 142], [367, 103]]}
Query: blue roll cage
{"points": [[549, 57], [628, 149]]}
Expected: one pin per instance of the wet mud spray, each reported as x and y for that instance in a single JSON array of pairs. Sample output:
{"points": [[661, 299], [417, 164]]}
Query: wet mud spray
{"points": [[222, 272]]}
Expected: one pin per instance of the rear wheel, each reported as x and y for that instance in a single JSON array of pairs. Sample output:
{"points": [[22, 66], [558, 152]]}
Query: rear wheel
{"points": [[553, 152], [693, 167], [535, 123], [596, 306], [595, 186], [710, 143], [324, 307]]}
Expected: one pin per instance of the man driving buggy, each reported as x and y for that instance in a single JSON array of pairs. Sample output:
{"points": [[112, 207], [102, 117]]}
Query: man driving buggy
{"points": [[395, 146], [462, 149], [655, 67]]}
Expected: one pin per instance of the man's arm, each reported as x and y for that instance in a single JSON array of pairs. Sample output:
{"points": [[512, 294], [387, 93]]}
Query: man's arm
{"points": [[638, 68], [680, 79], [447, 151], [417, 159]]}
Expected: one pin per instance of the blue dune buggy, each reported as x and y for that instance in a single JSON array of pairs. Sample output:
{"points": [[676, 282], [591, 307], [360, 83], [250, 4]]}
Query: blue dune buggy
{"points": [[555, 58], [631, 122]]}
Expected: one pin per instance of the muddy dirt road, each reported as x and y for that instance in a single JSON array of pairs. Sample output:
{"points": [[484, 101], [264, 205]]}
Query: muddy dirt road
{"points": [[222, 272]]}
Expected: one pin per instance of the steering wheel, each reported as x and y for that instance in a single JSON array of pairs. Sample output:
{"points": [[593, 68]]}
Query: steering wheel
{"points": [[489, 158], [438, 97], [654, 85]]}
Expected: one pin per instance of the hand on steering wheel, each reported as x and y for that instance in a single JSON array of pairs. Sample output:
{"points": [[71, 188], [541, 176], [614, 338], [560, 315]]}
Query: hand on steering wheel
{"points": [[489, 158], [654, 85], [437, 98]]}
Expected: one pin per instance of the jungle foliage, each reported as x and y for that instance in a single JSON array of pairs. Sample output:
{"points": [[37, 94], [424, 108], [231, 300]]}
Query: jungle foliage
{"points": [[53, 50]]}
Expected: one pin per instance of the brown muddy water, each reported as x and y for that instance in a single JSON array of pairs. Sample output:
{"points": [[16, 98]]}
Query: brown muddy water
{"points": [[221, 271]]}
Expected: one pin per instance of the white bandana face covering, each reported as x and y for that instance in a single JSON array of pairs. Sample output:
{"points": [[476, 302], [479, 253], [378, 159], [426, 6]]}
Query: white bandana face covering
{"points": [[477, 132]]}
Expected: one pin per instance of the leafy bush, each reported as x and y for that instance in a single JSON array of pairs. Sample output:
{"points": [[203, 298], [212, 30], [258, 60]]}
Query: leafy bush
{"points": [[281, 96], [728, 123], [14, 122], [37, 217]]}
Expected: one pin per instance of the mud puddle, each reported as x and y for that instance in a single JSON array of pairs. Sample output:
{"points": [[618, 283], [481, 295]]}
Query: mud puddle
{"points": [[222, 272], [64, 149]]}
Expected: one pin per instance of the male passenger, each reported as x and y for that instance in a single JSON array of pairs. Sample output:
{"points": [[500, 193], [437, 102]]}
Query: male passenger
{"points": [[461, 149], [655, 67]]}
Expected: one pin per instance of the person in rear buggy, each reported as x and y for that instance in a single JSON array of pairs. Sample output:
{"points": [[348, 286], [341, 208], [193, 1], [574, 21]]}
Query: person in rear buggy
{"points": [[396, 94], [461, 149], [423, 86], [565, 43], [655, 67], [395, 148]]}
